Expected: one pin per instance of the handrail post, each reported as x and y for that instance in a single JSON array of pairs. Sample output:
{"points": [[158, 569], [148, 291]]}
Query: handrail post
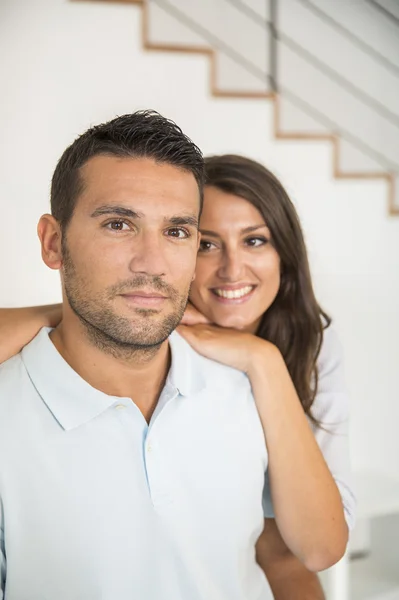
{"points": [[273, 39]]}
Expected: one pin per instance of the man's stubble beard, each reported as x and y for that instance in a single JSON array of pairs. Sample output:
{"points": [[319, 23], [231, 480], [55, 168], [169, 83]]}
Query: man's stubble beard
{"points": [[114, 334]]}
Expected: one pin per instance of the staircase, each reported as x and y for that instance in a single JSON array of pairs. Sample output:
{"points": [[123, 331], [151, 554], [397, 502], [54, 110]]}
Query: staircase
{"points": [[330, 68]]}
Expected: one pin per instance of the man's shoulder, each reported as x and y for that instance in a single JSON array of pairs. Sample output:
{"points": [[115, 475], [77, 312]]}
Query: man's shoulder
{"points": [[13, 378], [10, 372], [219, 375]]}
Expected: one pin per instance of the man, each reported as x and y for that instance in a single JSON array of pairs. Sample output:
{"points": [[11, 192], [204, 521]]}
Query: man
{"points": [[130, 467]]}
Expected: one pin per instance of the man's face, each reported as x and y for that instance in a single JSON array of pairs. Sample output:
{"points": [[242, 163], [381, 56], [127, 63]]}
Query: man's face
{"points": [[130, 249]]}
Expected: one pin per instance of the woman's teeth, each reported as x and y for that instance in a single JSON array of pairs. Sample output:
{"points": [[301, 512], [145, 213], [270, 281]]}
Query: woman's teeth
{"points": [[234, 293]]}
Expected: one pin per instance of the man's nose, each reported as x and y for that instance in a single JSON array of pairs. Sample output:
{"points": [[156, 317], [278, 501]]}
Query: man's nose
{"points": [[148, 255]]}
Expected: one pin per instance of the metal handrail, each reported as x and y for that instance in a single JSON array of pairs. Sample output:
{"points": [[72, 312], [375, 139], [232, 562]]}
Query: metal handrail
{"points": [[214, 40], [276, 36], [321, 66], [335, 128], [249, 12], [351, 36], [387, 13], [273, 38]]}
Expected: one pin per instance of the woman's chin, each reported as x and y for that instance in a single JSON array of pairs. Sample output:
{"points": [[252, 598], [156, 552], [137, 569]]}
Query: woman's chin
{"points": [[232, 322]]}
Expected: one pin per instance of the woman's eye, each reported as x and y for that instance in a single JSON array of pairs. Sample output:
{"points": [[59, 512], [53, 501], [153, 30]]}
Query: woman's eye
{"points": [[255, 242], [205, 246], [117, 225], [178, 233]]}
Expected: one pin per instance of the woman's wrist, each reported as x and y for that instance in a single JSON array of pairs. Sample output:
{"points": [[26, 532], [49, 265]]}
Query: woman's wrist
{"points": [[263, 357], [47, 316], [18, 326]]}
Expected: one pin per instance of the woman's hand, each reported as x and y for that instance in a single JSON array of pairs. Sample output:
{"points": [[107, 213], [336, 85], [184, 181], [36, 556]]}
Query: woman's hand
{"points": [[228, 346], [192, 316]]}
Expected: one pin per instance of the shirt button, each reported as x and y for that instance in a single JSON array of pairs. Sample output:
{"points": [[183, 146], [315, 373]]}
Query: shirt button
{"points": [[149, 448], [120, 406]]}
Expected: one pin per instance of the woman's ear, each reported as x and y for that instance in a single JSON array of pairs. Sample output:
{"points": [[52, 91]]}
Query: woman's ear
{"points": [[50, 236]]}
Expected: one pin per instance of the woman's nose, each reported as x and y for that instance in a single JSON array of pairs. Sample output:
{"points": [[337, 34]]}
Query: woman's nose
{"points": [[232, 267]]}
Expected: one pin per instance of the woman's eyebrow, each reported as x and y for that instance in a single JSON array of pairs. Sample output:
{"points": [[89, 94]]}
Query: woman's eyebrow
{"points": [[208, 232], [245, 230], [253, 228]]}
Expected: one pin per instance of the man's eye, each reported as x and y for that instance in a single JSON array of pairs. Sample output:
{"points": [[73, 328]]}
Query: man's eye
{"points": [[117, 225], [178, 232], [205, 246]]}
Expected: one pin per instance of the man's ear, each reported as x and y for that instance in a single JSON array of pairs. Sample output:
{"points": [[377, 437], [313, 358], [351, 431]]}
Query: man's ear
{"points": [[50, 236]]}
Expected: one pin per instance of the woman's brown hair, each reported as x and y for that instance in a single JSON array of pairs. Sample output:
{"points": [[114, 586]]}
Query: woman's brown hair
{"points": [[294, 322]]}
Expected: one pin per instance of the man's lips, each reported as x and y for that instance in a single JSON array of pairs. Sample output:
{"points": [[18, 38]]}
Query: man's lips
{"points": [[145, 299], [144, 294]]}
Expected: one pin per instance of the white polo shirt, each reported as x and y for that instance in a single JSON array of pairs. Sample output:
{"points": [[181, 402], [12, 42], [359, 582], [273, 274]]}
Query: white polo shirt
{"points": [[95, 504]]}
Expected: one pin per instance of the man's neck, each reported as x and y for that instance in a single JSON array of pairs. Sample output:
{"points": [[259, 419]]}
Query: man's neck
{"points": [[134, 373]]}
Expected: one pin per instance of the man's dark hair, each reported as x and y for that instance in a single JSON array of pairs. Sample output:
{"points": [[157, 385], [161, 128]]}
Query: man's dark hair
{"points": [[143, 134]]}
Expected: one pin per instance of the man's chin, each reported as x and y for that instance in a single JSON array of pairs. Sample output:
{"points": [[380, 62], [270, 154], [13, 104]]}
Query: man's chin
{"points": [[143, 328], [151, 332], [146, 341]]}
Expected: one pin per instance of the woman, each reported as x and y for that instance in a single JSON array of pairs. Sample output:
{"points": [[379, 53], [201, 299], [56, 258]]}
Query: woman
{"points": [[253, 307]]}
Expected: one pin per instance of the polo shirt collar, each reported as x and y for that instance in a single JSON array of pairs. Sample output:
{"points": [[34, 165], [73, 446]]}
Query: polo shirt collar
{"points": [[186, 371], [73, 401]]}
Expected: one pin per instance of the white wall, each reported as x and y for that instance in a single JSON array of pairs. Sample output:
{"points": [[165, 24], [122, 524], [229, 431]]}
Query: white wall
{"points": [[65, 65]]}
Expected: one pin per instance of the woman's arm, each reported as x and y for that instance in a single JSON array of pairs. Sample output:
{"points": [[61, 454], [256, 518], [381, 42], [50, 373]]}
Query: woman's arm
{"points": [[18, 326], [306, 500], [287, 576], [331, 410]]}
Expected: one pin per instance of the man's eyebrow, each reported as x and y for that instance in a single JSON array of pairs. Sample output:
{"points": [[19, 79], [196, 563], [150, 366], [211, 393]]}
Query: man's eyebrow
{"points": [[121, 211], [245, 230], [183, 220]]}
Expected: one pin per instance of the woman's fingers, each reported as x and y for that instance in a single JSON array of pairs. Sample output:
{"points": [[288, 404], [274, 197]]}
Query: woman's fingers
{"points": [[192, 316], [228, 346]]}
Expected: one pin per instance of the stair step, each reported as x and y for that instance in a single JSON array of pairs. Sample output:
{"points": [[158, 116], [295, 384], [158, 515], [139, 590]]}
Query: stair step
{"points": [[239, 66]]}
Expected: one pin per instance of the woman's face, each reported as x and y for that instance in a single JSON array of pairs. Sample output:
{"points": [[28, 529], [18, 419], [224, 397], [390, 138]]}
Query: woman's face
{"points": [[238, 269]]}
